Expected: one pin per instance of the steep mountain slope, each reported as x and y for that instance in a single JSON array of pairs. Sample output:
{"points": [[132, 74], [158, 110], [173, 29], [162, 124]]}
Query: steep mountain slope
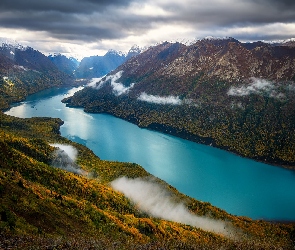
{"points": [[97, 66], [42, 206], [237, 96], [64, 64], [24, 71]]}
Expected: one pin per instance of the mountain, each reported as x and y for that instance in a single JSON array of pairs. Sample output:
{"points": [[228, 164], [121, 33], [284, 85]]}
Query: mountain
{"points": [[44, 204], [232, 95], [97, 66], [24, 71], [56, 194], [64, 64]]}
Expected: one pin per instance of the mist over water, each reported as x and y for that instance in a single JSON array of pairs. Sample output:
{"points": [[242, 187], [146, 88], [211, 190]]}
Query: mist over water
{"points": [[238, 185]]}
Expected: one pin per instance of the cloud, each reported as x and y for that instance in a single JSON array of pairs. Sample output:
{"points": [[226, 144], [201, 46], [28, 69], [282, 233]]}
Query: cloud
{"points": [[155, 200], [93, 82], [118, 88], [261, 87], [258, 86], [64, 157], [159, 99], [69, 6], [291, 87], [80, 25]]}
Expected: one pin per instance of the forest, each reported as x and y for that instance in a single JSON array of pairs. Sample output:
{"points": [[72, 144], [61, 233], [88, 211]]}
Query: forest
{"points": [[42, 206]]}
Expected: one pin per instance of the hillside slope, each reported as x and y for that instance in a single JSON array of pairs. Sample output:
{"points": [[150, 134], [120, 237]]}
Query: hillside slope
{"points": [[42, 206], [24, 71], [233, 95]]}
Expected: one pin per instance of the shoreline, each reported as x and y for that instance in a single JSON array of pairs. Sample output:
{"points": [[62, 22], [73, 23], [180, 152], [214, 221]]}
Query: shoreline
{"points": [[193, 138]]}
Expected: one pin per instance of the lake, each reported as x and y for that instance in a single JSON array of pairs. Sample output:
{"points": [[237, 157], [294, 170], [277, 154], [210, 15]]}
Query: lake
{"points": [[238, 185]]}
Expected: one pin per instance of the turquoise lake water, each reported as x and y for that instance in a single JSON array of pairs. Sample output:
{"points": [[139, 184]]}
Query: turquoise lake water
{"points": [[238, 185]]}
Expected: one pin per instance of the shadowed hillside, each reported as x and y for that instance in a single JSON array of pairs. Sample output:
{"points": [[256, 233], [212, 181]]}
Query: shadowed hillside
{"points": [[25, 71]]}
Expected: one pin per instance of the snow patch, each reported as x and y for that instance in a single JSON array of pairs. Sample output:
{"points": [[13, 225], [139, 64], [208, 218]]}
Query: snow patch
{"points": [[11, 44]]}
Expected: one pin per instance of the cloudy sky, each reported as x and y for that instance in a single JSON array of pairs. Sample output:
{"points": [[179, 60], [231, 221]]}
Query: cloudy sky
{"points": [[91, 27]]}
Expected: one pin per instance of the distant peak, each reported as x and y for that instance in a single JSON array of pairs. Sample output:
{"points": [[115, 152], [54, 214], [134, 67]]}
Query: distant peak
{"points": [[55, 54], [115, 52], [135, 48], [214, 38], [10, 43]]}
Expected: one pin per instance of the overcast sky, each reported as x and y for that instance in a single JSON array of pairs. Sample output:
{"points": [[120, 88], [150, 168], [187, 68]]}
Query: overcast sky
{"points": [[91, 27]]}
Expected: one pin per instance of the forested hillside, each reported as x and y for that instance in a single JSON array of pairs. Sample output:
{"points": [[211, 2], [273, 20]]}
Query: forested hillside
{"points": [[44, 206], [56, 194], [24, 71], [233, 95]]}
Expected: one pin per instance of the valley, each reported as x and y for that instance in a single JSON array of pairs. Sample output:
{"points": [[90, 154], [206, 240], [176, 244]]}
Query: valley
{"points": [[58, 193], [218, 92]]}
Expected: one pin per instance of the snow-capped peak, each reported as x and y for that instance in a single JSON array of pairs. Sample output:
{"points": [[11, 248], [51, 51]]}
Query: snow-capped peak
{"points": [[135, 48], [11, 44], [115, 52]]}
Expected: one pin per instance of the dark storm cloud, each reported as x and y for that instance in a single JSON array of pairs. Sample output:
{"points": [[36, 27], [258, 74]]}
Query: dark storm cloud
{"points": [[279, 3], [65, 6], [92, 20], [59, 25], [73, 19], [227, 13]]}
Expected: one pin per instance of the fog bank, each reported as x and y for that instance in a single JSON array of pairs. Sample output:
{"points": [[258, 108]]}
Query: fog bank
{"points": [[64, 157], [155, 200], [159, 99]]}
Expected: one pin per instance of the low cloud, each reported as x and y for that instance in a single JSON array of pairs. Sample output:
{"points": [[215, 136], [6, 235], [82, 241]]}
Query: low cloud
{"points": [[118, 87], [257, 86], [64, 157], [291, 87], [155, 200], [159, 99], [93, 82]]}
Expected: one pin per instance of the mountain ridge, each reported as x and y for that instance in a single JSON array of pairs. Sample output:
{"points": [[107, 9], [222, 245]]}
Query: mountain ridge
{"points": [[45, 204], [24, 71], [98, 66], [225, 90], [64, 64]]}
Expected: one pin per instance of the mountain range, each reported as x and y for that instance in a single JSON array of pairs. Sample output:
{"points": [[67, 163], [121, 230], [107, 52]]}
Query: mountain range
{"points": [[233, 95], [56, 194], [24, 71], [64, 64], [98, 66]]}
